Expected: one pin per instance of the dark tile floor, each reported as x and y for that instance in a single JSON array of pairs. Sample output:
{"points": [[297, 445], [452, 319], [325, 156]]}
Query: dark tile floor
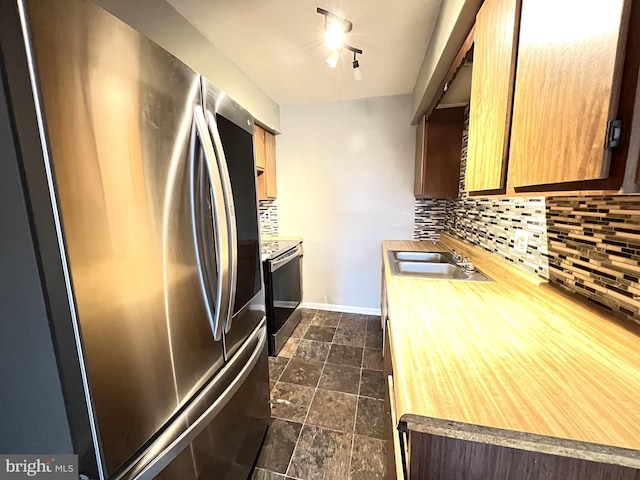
{"points": [[327, 391]]}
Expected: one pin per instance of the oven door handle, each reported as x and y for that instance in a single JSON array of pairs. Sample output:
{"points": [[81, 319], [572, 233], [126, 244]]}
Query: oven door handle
{"points": [[280, 262]]}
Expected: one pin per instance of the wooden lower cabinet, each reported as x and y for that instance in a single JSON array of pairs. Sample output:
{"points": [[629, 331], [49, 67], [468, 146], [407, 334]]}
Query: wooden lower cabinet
{"points": [[396, 438], [433, 457], [390, 428]]}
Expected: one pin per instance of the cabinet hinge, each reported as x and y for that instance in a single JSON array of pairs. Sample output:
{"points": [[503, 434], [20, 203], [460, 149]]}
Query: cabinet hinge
{"points": [[614, 134]]}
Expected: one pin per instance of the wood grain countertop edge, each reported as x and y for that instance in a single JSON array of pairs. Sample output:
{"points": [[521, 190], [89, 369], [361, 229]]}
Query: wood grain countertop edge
{"points": [[523, 441]]}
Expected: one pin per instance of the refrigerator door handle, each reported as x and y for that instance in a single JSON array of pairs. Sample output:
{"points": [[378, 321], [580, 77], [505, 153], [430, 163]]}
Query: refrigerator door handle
{"points": [[231, 218], [221, 233]]}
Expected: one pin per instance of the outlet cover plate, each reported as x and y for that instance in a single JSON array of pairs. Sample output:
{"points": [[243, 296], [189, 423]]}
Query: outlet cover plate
{"points": [[521, 241]]}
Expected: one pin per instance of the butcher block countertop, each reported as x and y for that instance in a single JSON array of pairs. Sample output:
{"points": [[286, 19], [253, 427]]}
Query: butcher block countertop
{"points": [[515, 362]]}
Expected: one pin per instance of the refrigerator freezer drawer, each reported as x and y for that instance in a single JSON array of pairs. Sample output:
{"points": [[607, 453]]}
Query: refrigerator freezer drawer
{"points": [[228, 448], [219, 435]]}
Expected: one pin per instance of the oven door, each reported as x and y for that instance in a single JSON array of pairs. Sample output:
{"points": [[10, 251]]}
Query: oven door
{"points": [[284, 279]]}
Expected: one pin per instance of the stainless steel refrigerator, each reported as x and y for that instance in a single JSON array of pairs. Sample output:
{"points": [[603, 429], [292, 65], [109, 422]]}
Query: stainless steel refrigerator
{"points": [[138, 181]]}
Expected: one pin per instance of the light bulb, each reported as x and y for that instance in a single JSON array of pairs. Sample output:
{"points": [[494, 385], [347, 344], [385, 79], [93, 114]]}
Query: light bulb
{"points": [[333, 58], [357, 74], [334, 35]]}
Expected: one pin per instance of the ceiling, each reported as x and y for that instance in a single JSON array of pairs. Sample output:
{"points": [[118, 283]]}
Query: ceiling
{"points": [[279, 44]]}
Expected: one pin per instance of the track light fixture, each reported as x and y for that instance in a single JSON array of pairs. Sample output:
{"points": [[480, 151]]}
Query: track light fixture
{"points": [[357, 73], [335, 30]]}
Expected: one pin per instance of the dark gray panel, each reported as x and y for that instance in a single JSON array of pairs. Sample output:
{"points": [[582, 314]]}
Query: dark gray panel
{"points": [[32, 411]]}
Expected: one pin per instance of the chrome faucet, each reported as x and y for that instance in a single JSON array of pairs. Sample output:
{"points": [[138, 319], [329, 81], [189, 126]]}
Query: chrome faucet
{"points": [[463, 262], [468, 265]]}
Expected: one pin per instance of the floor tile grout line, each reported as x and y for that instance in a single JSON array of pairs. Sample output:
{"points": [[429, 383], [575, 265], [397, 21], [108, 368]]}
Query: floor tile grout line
{"points": [[342, 432], [304, 422], [367, 437], [355, 420], [328, 429], [358, 396], [317, 385], [285, 367], [356, 410], [371, 398], [338, 391], [353, 439]]}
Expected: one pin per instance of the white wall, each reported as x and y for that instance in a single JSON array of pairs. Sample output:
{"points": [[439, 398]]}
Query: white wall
{"points": [[160, 22], [345, 183]]}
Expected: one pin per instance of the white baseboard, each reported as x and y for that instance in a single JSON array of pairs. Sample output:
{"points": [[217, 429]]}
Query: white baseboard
{"points": [[340, 308]]}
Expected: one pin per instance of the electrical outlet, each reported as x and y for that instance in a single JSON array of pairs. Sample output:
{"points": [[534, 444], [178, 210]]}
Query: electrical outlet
{"points": [[521, 241]]}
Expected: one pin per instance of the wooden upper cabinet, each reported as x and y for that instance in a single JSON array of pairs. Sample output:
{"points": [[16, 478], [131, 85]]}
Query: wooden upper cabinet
{"points": [[569, 68], [439, 144], [270, 164], [258, 139], [494, 61], [265, 152], [418, 179]]}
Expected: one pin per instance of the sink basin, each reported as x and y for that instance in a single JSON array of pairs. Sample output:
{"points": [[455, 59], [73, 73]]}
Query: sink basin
{"points": [[436, 269], [422, 257]]}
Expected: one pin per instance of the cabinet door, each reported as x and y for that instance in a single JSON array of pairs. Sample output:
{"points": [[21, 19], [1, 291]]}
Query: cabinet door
{"points": [[270, 164], [418, 180], [258, 139], [443, 153], [438, 152], [494, 60], [396, 451], [265, 143], [569, 64]]}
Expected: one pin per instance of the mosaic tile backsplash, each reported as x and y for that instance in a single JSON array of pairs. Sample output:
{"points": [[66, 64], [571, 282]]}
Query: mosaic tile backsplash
{"points": [[429, 219], [492, 224], [589, 246], [594, 249], [268, 211]]}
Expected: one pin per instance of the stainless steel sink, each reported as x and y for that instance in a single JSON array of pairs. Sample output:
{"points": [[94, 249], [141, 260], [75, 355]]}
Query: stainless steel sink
{"points": [[430, 257], [439, 270], [436, 269]]}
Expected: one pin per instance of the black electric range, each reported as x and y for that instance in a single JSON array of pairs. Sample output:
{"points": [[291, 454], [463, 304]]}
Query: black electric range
{"points": [[282, 265]]}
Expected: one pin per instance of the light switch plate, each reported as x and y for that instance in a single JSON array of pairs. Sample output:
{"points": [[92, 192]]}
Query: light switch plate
{"points": [[521, 242]]}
